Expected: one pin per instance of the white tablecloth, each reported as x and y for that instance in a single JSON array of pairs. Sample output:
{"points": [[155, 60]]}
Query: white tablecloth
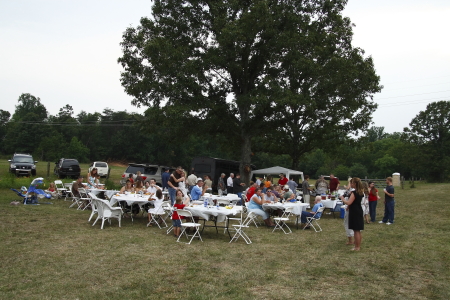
{"points": [[230, 199], [206, 212], [130, 199], [298, 207]]}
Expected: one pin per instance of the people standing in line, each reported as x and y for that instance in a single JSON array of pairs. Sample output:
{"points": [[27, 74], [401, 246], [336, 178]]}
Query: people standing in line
{"points": [[177, 176], [355, 217], [373, 200], [238, 187], [191, 181], [306, 190], [292, 185], [321, 186], [365, 202], [165, 179], [389, 203], [283, 180], [230, 183], [334, 183], [221, 188]]}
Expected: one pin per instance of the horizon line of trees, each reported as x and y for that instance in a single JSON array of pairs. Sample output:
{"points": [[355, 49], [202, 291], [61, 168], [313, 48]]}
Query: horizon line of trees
{"points": [[421, 150]]}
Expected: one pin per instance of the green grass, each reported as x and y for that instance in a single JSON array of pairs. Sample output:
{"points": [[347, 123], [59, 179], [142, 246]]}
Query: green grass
{"points": [[52, 252]]}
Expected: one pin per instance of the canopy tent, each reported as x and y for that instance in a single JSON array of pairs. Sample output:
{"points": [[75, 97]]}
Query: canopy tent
{"points": [[278, 170]]}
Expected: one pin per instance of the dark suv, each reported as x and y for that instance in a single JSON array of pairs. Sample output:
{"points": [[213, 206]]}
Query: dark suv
{"points": [[22, 164], [67, 167]]}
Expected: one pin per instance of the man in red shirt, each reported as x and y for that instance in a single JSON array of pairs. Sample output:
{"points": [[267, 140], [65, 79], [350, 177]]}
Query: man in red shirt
{"points": [[334, 183], [283, 180]]}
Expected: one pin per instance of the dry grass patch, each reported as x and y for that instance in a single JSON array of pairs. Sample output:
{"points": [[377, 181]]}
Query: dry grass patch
{"points": [[53, 252]]}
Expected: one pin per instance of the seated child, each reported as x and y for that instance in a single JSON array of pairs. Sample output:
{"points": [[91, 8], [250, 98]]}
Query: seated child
{"points": [[52, 190], [158, 206]]}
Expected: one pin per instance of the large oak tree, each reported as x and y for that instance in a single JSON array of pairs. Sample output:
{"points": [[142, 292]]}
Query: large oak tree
{"points": [[240, 67]]}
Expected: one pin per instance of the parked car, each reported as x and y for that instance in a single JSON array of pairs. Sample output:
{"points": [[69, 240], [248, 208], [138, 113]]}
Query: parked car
{"points": [[67, 167], [101, 166], [22, 164], [147, 172]]}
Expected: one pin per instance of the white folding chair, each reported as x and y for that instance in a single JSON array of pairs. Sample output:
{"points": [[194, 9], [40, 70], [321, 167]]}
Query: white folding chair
{"points": [[255, 218], [60, 189], [310, 221], [68, 187], [239, 209], [94, 205], [240, 228], [106, 212], [190, 223], [280, 222], [157, 216], [84, 199], [169, 210]]}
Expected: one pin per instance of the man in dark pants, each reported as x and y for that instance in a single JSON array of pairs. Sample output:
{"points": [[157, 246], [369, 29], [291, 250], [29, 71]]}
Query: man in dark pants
{"points": [[238, 187], [389, 203]]}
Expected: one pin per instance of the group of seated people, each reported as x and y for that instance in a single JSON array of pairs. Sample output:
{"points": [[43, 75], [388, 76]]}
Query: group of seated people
{"points": [[257, 198]]}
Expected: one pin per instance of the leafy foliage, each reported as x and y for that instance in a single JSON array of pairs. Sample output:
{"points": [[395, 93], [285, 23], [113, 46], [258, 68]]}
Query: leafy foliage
{"points": [[245, 68]]}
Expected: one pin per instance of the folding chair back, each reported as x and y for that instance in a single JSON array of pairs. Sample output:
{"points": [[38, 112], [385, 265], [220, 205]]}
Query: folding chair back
{"points": [[190, 223], [314, 221], [241, 227], [60, 189]]}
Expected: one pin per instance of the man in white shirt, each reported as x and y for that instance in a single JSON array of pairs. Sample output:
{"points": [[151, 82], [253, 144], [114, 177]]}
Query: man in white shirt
{"points": [[230, 183]]}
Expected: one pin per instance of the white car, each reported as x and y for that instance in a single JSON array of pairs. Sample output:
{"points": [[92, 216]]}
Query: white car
{"points": [[102, 168]]}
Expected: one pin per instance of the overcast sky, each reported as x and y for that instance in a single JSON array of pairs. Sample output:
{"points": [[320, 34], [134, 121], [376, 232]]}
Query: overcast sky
{"points": [[65, 52]]}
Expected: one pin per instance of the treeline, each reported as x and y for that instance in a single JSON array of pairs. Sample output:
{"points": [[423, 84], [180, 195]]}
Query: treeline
{"points": [[421, 150]]}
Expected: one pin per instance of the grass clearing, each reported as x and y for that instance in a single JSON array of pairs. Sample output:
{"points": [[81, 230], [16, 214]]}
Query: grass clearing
{"points": [[52, 252]]}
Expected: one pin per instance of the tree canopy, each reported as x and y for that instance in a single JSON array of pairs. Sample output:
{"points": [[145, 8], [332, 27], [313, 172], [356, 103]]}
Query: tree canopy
{"points": [[245, 67]]}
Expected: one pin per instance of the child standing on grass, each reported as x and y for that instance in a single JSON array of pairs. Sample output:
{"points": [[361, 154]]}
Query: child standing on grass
{"points": [[176, 220]]}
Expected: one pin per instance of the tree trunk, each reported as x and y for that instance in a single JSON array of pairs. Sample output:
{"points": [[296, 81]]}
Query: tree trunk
{"points": [[246, 153]]}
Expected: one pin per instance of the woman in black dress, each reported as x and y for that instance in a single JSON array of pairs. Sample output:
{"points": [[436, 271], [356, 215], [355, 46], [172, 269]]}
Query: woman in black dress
{"points": [[356, 217]]}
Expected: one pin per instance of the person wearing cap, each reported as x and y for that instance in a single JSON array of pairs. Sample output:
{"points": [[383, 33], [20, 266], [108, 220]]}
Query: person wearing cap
{"points": [[197, 190], [283, 180], [288, 195]]}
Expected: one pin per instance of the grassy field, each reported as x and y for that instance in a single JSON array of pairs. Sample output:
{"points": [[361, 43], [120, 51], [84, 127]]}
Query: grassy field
{"points": [[53, 252]]}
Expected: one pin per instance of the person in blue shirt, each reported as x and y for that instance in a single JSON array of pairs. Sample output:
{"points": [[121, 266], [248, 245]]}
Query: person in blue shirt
{"points": [[389, 203], [197, 190], [165, 178], [313, 213]]}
